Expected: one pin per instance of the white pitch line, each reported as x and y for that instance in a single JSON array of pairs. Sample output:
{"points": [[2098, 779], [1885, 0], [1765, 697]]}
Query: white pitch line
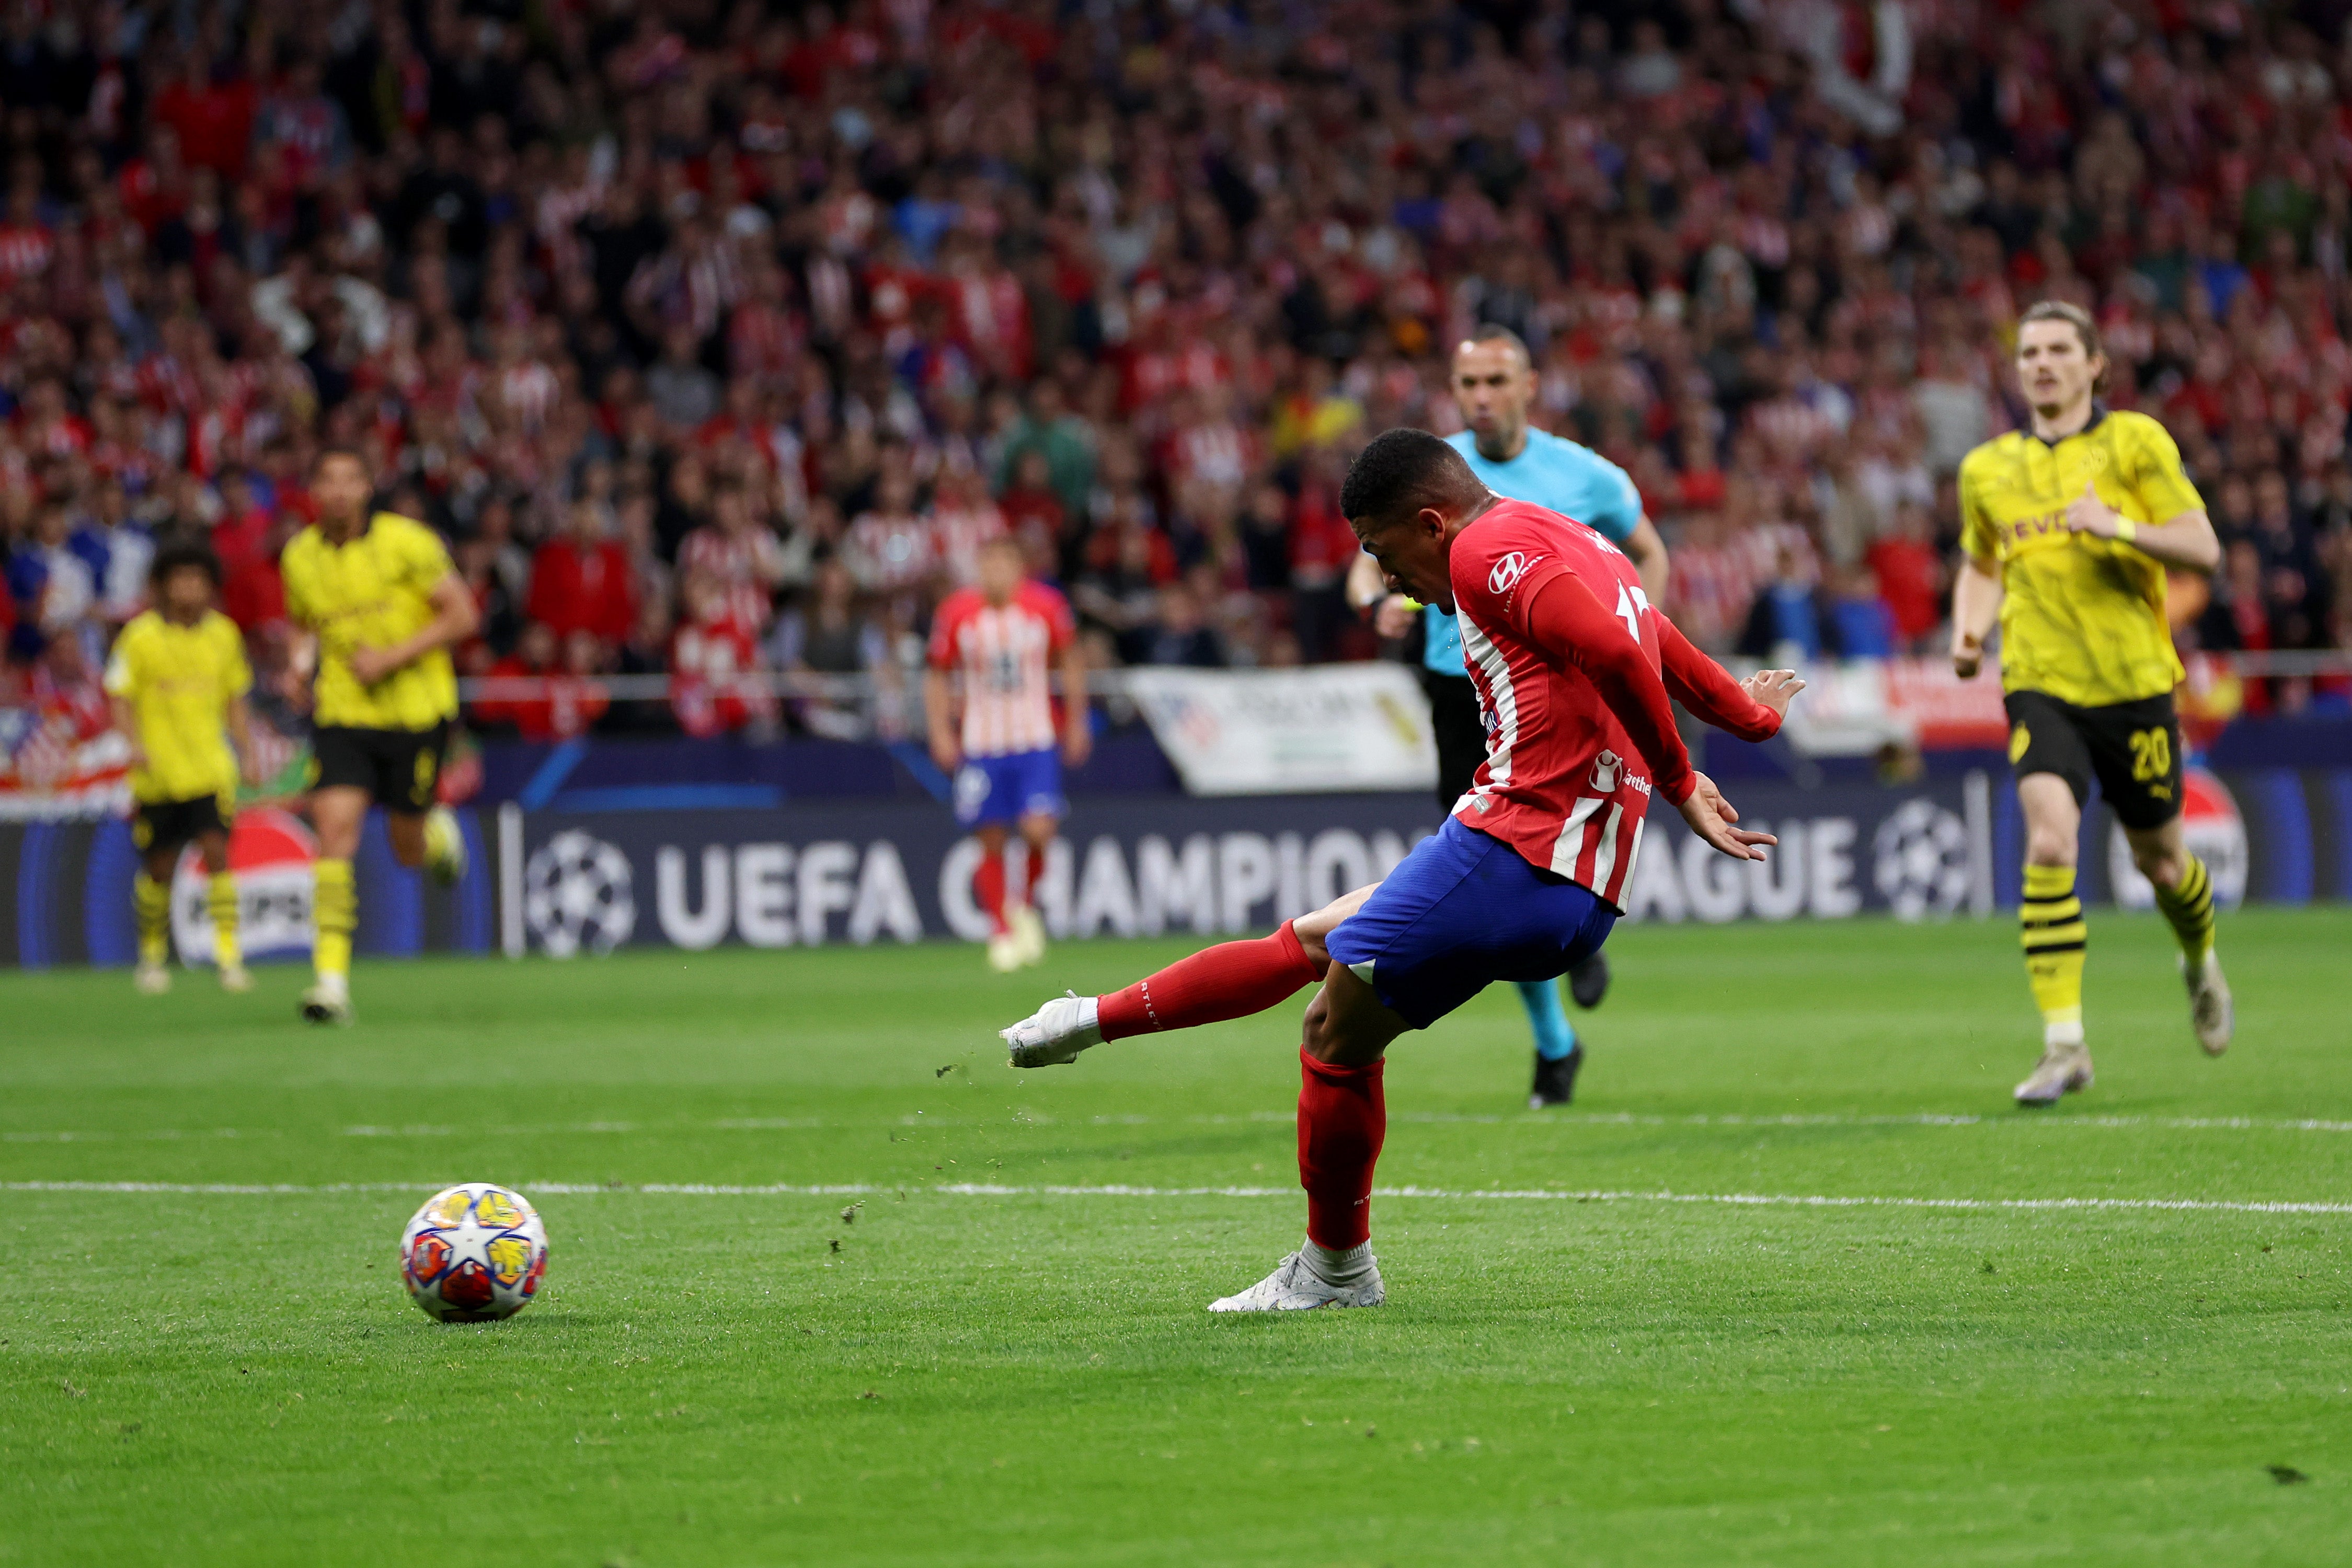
{"points": [[991, 1189], [1284, 1118]]}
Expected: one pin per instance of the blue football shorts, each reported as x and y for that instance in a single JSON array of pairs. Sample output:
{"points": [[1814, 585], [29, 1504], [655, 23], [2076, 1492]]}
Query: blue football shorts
{"points": [[1459, 913], [990, 790]]}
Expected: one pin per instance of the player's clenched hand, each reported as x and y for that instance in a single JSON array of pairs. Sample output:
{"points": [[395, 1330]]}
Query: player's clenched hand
{"points": [[1077, 744], [1774, 689], [2086, 514], [248, 768], [1710, 816], [1968, 656], [944, 753], [369, 665], [1394, 616]]}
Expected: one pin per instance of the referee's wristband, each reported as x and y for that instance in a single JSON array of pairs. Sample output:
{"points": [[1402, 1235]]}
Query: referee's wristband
{"points": [[2126, 530]]}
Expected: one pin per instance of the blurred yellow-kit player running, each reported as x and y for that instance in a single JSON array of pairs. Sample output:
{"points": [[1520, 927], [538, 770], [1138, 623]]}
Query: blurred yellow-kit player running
{"points": [[177, 681]]}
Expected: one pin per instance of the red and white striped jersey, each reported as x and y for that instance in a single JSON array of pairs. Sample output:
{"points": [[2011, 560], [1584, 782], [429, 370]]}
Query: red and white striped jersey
{"points": [[1563, 783], [1004, 651]]}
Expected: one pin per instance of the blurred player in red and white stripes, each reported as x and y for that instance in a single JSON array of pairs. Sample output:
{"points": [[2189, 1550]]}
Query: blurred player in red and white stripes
{"points": [[1002, 636]]}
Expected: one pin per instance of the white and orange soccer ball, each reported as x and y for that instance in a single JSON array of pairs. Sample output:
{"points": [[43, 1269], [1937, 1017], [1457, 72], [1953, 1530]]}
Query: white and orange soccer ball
{"points": [[475, 1253]]}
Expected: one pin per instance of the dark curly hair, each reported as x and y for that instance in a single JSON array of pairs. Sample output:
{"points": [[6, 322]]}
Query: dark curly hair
{"points": [[1402, 471], [179, 555]]}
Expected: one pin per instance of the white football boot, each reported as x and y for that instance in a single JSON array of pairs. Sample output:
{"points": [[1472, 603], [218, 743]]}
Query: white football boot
{"points": [[445, 846], [1004, 952], [236, 980], [1295, 1287], [328, 1001], [2211, 1011], [2063, 1069], [1028, 934], [1055, 1034], [152, 979]]}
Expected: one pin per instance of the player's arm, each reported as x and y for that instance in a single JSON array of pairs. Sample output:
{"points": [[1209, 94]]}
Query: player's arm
{"points": [[126, 722], [1646, 549], [1566, 621], [239, 721], [1977, 586], [1976, 605], [2186, 540], [455, 619], [1751, 709], [938, 713], [1077, 727], [122, 684], [1391, 613]]}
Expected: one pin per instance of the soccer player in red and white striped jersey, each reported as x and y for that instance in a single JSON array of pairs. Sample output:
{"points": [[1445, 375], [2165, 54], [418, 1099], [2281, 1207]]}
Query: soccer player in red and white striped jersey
{"points": [[1004, 637], [1574, 671]]}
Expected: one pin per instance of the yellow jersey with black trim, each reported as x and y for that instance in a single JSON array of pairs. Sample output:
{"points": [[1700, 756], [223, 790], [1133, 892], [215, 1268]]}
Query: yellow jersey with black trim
{"points": [[180, 681], [2082, 618], [371, 593]]}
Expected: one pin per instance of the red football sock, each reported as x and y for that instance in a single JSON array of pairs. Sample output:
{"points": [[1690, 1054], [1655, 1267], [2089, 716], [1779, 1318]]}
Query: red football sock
{"points": [[1230, 980], [988, 890], [1342, 1118]]}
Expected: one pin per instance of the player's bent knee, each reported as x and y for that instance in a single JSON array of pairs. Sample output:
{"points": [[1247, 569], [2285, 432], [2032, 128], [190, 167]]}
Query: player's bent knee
{"points": [[2050, 849], [1346, 1024], [2161, 864], [1311, 929]]}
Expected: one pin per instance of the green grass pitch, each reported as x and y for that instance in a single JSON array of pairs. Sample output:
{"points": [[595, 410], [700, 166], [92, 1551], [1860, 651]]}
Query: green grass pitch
{"points": [[1027, 1377]]}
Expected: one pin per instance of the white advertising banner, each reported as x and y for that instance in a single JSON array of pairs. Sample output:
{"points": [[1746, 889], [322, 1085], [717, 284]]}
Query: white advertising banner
{"points": [[1268, 732]]}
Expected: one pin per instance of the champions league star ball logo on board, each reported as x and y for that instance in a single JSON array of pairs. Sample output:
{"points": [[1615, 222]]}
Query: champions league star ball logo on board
{"points": [[577, 893], [1921, 861]]}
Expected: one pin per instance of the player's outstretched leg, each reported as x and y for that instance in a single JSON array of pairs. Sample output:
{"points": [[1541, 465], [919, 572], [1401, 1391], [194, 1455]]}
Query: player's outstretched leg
{"points": [[1342, 1122], [1230, 980], [1559, 1053]]}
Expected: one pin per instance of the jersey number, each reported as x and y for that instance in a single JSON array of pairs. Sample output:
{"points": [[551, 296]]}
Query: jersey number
{"points": [[1631, 605], [2151, 752]]}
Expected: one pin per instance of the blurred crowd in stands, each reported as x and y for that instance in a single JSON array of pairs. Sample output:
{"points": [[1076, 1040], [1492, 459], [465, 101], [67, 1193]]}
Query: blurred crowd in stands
{"points": [[716, 335]]}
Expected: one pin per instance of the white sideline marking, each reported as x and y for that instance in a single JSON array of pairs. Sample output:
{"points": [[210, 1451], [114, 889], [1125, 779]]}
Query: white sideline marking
{"points": [[991, 1189], [1285, 1118]]}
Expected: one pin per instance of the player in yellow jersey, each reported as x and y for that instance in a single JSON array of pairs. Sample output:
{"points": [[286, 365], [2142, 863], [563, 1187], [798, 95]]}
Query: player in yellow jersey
{"points": [[383, 606], [177, 680], [2068, 528]]}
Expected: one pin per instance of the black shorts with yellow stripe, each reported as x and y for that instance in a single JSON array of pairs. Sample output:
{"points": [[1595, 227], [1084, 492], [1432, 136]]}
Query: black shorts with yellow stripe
{"points": [[2132, 749], [168, 824], [398, 767]]}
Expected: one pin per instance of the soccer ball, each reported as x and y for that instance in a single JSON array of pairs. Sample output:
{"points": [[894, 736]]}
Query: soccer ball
{"points": [[474, 1254]]}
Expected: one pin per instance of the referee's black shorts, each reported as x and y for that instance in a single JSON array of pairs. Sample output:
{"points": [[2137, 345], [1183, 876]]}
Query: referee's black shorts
{"points": [[398, 767], [1461, 733], [2132, 749]]}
